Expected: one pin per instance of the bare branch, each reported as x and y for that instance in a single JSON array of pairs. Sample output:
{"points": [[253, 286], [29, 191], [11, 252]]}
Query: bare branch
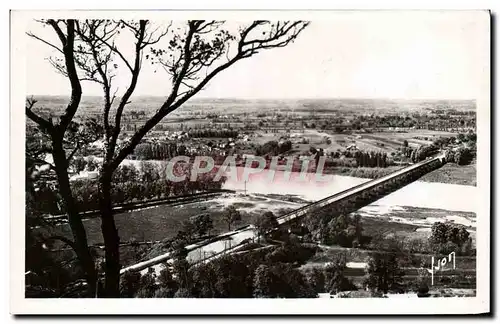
{"points": [[120, 54], [114, 96], [209, 27], [58, 30], [130, 26], [44, 41], [152, 39], [130, 90], [188, 71], [57, 66], [43, 123], [280, 36], [76, 89]]}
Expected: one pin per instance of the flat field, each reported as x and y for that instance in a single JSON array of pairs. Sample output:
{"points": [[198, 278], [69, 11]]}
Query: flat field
{"points": [[453, 173]]}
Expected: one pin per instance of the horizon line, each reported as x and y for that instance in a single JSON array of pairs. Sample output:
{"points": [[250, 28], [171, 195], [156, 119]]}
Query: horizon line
{"points": [[276, 98]]}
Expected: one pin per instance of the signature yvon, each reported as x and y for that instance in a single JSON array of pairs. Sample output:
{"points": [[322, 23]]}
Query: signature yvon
{"points": [[444, 263]]}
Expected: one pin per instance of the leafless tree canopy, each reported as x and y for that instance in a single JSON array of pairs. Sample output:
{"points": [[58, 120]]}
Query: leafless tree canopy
{"points": [[190, 54]]}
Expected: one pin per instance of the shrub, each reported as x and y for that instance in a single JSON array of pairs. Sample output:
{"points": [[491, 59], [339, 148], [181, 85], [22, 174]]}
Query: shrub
{"points": [[183, 293], [448, 237], [316, 279], [130, 283], [383, 273], [291, 253], [281, 281], [463, 156], [335, 279], [423, 290], [265, 222]]}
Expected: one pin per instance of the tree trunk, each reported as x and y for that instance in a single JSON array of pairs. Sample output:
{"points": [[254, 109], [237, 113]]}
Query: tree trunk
{"points": [[111, 238], [75, 222]]}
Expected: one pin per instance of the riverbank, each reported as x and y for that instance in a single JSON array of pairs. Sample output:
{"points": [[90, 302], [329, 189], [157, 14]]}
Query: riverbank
{"points": [[450, 173]]}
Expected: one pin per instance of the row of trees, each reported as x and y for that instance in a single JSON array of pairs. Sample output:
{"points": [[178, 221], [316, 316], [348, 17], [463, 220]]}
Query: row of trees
{"points": [[273, 148], [371, 159], [253, 274], [195, 228], [273, 273], [263, 274], [330, 278], [417, 120], [159, 151], [201, 225], [223, 133], [462, 155], [423, 152], [131, 184]]}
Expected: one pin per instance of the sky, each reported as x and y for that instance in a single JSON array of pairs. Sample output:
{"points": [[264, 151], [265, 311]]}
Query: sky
{"points": [[407, 55]]}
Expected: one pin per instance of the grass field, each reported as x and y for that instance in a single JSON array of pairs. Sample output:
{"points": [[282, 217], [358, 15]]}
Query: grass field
{"points": [[163, 222], [153, 224], [453, 173], [380, 141]]}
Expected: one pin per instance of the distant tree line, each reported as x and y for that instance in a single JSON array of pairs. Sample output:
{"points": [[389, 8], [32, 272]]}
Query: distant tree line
{"points": [[371, 159], [461, 155], [224, 133], [423, 152], [131, 184], [159, 151], [273, 148], [253, 274]]}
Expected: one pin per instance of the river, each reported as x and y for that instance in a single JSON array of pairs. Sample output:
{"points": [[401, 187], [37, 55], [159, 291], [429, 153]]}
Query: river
{"points": [[445, 196], [449, 197]]}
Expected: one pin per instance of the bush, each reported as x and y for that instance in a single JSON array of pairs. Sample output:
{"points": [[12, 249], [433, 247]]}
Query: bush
{"points": [[148, 285], [445, 248], [316, 279], [423, 291], [291, 253], [448, 237], [463, 156], [163, 293], [130, 283], [383, 273], [265, 222], [281, 281], [335, 279], [273, 148], [182, 293]]}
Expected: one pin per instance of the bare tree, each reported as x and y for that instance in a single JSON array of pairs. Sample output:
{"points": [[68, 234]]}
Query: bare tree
{"points": [[191, 55]]}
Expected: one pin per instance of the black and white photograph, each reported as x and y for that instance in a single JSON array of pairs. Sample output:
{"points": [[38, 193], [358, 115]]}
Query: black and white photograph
{"points": [[339, 160]]}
